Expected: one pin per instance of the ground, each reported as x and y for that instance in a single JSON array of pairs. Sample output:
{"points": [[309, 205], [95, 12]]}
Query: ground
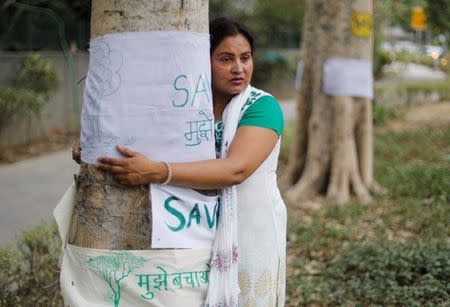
{"points": [[52, 144], [423, 115], [337, 255]]}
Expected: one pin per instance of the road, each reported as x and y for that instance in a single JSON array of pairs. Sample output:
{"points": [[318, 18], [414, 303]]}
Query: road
{"points": [[30, 190]]}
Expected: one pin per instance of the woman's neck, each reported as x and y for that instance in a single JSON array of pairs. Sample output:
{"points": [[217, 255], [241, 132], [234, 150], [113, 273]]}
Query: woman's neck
{"points": [[219, 105]]}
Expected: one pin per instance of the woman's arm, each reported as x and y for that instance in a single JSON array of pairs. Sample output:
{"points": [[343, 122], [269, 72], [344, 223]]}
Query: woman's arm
{"points": [[250, 148]]}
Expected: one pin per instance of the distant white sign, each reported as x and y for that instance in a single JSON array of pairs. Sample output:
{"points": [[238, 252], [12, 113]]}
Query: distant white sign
{"points": [[348, 77]]}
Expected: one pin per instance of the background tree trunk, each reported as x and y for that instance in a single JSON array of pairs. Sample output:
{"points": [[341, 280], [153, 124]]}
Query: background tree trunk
{"points": [[333, 152], [108, 215]]}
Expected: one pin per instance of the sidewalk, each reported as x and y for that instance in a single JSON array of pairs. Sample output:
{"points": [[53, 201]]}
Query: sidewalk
{"points": [[30, 190]]}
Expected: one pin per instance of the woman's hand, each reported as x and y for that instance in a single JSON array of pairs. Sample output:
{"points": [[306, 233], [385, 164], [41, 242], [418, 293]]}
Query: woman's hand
{"points": [[134, 169], [76, 151]]}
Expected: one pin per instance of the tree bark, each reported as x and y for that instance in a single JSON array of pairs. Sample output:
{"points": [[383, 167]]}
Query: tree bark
{"points": [[333, 152], [108, 215]]}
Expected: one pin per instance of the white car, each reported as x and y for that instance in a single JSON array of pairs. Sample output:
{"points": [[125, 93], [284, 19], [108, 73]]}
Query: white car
{"points": [[434, 51]]}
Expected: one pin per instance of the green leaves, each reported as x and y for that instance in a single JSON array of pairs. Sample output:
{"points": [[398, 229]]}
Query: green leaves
{"points": [[38, 75], [29, 273], [34, 83], [390, 273], [392, 252]]}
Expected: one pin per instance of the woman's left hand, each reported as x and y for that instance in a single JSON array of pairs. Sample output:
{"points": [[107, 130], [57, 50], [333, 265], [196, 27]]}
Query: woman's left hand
{"points": [[134, 169]]}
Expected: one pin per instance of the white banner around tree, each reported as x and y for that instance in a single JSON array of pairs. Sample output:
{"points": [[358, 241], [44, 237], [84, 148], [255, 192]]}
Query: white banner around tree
{"points": [[106, 278], [149, 91]]}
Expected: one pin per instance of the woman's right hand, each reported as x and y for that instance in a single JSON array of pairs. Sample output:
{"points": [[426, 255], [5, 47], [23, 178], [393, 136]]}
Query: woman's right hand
{"points": [[76, 151]]}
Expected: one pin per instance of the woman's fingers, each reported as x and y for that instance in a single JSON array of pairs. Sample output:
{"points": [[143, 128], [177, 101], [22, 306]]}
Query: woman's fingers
{"points": [[119, 173], [111, 168], [111, 161], [125, 151], [103, 167]]}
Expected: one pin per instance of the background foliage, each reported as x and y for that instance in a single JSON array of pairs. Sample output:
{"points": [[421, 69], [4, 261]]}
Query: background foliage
{"points": [[22, 29], [29, 273], [33, 83], [398, 12]]}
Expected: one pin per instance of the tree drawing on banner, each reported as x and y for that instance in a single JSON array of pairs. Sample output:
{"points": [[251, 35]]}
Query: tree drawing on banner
{"points": [[113, 268], [106, 68]]}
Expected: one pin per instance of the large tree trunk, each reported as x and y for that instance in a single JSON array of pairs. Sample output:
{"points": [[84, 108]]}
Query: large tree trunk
{"points": [[108, 215], [333, 152]]}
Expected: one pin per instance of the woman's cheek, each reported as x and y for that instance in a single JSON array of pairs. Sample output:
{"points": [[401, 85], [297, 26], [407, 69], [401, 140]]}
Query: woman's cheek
{"points": [[250, 68]]}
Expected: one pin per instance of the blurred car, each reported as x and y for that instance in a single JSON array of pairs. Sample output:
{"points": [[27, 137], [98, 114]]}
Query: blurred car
{"points": [[436, 52]]}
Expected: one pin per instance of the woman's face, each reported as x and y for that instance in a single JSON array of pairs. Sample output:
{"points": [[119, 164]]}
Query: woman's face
{"points": [[231, 66]]}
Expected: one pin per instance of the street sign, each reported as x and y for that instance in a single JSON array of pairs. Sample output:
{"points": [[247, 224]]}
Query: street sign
{"points": [[418, 18], [361, 24]]}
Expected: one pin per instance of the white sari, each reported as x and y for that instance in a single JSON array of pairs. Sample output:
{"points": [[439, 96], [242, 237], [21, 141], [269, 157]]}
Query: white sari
{"points": [[253, 214]]}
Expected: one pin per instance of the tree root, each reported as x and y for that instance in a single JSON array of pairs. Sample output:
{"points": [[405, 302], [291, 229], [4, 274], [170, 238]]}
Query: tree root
{"points": [[377, 188]]}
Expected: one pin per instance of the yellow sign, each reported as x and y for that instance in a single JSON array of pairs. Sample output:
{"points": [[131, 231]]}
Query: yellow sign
{"points": [[418, 18], [362, 24]]}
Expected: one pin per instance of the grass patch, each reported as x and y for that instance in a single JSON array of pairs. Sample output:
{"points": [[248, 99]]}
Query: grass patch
{"points": [[394, 274], [442, 87], [406, 93], [286, 142], [427, 145], [385, 112], [391, 252], [413, 163], [29, 273]]}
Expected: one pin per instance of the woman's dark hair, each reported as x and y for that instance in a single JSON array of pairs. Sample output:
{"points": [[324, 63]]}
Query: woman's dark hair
{"points": [[222, 27]]}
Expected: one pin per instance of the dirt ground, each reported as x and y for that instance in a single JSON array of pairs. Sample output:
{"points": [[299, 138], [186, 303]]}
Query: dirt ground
{"points": [[436, 114], [23, 152]]}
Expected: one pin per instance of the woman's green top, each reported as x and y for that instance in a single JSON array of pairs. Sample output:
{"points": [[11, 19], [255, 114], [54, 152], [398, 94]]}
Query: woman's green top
{"points": [[264, 112]]}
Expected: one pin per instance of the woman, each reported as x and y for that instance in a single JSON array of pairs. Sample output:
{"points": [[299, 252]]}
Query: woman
{"points": [[248, 126]]}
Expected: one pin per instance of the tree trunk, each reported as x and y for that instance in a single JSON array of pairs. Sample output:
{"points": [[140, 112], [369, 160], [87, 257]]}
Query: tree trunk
{"points": [[108, 215], [333, 152]]}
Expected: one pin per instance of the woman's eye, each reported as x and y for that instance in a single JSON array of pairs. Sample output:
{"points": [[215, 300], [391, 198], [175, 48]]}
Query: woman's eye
{"points": [[226, 59]]}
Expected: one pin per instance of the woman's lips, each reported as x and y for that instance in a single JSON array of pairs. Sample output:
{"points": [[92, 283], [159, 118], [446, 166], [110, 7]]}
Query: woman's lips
{"points": [[237, 81]]}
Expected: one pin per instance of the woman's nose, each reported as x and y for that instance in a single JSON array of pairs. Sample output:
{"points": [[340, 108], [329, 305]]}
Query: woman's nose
{"points": [[237, 67]]}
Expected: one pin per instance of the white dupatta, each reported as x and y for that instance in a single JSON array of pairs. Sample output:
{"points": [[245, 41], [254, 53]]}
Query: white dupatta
{"points": [[223, 288]]}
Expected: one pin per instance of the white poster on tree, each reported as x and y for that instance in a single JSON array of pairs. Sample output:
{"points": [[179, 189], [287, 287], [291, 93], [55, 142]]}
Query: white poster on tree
{"points": [[348, 77], [151, 92]]}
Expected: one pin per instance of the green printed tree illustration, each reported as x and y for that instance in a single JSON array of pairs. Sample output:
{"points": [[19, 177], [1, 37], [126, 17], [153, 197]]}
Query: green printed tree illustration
{"points": [[113, 268]]}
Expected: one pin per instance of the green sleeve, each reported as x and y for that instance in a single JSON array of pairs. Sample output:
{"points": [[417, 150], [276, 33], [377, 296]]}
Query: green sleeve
{"points": [[266, 113]]}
